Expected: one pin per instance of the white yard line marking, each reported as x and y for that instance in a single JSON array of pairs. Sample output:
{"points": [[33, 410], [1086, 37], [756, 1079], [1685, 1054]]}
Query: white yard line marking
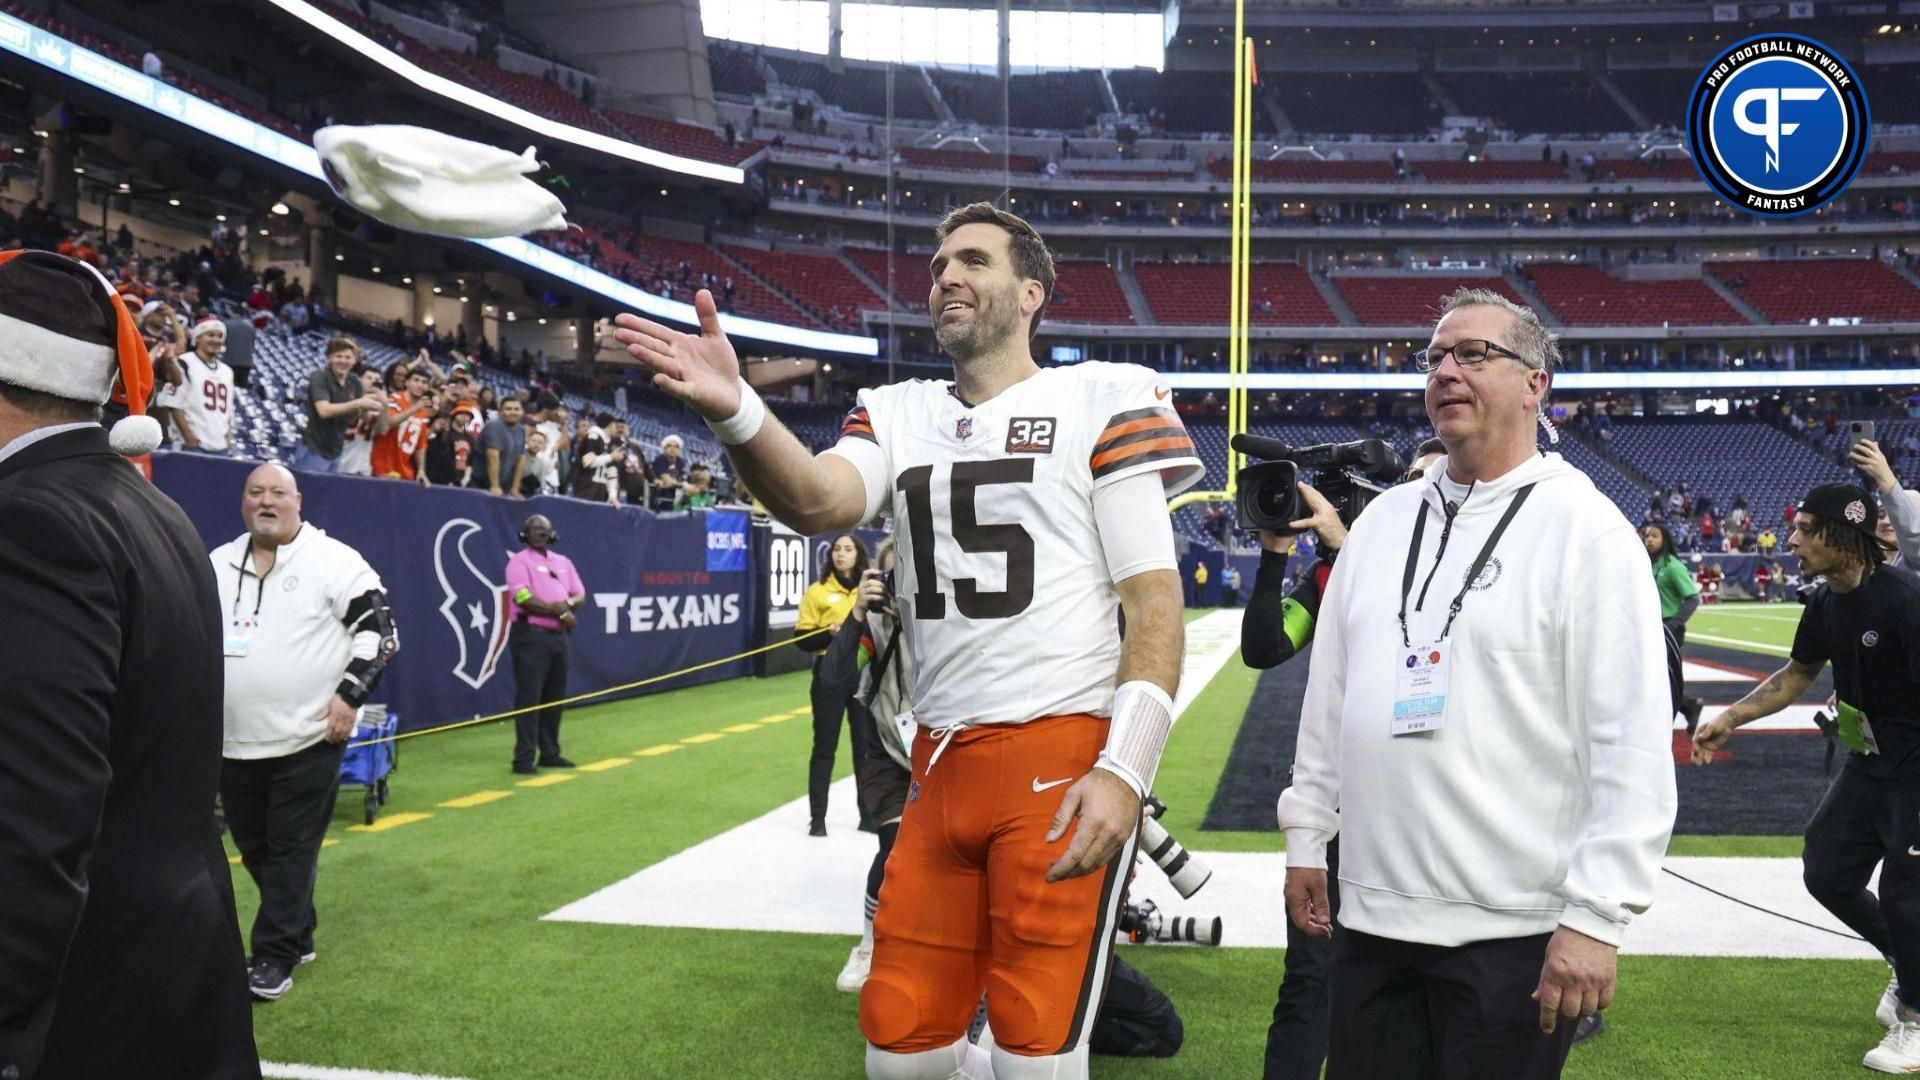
{"points": [[814, 886], [278, 1071], [1739, 643]]}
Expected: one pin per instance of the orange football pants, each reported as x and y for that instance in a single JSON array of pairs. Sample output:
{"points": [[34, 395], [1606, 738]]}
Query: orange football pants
{"points": [[965, 906]]}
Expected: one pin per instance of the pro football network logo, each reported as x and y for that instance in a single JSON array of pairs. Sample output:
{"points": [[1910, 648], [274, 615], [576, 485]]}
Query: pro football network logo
{"points": [[1778, 125]]}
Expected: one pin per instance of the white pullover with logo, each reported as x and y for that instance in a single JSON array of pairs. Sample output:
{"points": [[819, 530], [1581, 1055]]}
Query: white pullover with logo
{"points": [[1546, 797]]}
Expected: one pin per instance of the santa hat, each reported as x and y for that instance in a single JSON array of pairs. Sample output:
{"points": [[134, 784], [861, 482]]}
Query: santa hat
{"points": [[65, 332], [206, 326]]}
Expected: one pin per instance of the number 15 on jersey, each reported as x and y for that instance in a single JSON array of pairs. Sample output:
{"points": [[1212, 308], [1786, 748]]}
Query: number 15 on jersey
{"points": [[1015, 543]]}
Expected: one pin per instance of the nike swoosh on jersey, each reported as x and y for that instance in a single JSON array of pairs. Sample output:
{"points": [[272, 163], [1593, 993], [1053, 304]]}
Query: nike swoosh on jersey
{"points": [[1039, 787], [1160, 392]]}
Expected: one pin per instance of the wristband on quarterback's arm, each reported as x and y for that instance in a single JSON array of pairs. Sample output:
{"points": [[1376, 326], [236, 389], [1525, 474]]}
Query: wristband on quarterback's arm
{"points": [[1142, 717], [745, 423]]}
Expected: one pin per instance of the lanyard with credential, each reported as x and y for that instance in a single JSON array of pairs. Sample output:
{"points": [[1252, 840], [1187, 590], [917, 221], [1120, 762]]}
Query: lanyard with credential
{"points": [[1473, 572], [240, 582]]}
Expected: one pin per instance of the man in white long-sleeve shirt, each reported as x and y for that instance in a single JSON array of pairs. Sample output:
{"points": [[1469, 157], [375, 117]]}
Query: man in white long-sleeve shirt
{"points": [[1487, 728]]}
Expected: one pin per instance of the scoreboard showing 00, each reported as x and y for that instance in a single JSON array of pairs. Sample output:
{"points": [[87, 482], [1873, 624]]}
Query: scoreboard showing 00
{"points": [[786, 572]]}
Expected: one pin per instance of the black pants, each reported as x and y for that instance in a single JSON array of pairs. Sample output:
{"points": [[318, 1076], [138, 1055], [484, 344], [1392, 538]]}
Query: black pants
{"points": [[277, 810], [829, 709], [1136, 1018], [1302, 1011], [1862, 822], [539, 676], [1404, 1011]]}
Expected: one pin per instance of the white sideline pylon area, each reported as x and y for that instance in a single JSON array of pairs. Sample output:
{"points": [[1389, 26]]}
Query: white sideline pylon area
{"points": [[274, 1070], [769, 875]]}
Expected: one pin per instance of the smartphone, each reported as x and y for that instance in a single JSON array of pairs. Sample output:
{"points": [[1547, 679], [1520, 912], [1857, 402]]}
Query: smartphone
{"points": [[1857, 430]]}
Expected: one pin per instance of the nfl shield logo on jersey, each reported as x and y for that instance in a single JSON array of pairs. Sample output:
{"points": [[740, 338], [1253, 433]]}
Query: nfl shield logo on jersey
{"points": [[963, 428]]}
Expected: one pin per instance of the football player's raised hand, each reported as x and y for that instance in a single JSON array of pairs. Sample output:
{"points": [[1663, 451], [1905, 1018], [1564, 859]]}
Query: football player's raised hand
{"points": [[699, 369]]}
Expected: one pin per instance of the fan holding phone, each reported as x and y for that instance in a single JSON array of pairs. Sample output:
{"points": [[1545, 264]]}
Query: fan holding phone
{"points": [[1900, 517]]}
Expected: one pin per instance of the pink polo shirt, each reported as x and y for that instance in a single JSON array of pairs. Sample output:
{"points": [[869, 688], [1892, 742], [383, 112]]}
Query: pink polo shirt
{"points": [[550, 578]]}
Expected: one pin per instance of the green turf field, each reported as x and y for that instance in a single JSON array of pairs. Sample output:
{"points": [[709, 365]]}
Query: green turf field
{"points": [[433, 959]]}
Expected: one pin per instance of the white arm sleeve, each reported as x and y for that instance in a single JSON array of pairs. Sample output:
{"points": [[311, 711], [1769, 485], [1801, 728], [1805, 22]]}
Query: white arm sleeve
{"points": [[1136, 532], [871, 462]]}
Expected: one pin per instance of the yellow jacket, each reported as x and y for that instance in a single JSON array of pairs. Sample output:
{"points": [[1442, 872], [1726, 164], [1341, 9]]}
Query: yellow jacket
{"points": [[824, 606]]}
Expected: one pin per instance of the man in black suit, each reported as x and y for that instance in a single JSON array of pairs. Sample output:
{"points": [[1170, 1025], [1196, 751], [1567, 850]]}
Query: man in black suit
{"points": [[118, 940]]}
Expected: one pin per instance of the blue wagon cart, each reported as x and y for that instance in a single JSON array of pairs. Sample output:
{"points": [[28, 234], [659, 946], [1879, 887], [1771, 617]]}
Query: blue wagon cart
{"points": [[369, 765]]}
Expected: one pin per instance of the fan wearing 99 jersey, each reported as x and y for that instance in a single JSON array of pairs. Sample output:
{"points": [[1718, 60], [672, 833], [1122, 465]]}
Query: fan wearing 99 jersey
{"points": [[1030, 513], [199, 411]]}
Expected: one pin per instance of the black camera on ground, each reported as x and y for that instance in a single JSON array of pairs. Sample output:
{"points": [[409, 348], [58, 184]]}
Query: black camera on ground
{"points": [[1145, 922], [1349, 474]]}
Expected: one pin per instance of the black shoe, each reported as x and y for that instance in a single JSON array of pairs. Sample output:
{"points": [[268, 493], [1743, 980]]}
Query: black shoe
{"points": [[818, 828], [308, 956], [1590, 1025], [524, 768], [556, 762], [268, 979]]}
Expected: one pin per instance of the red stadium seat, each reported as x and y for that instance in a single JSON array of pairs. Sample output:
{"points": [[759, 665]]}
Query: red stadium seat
{"points": [[1589, 296], [1088, 291], [1801, 290], [820, 283], [1195, 294], [1487, 172], [1410, 300]]}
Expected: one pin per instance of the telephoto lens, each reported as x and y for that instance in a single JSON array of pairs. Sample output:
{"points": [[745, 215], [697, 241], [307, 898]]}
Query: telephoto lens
{"points": [[1191, 929], [1187, 873]]}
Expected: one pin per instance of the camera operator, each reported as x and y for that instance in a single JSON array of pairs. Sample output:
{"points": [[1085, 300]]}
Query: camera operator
{"points": [[1865, 620], [1278, 625]]}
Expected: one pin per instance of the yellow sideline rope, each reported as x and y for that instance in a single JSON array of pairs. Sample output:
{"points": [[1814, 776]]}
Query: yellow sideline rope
{"points": [[509, 714]]}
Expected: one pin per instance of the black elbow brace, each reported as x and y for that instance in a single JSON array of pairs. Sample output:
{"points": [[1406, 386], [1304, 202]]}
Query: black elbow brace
{"points": [[368, 614]]}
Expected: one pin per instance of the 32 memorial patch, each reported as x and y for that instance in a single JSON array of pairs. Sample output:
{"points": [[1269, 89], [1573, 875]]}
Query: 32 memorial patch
{"points": [[1030, 435]]}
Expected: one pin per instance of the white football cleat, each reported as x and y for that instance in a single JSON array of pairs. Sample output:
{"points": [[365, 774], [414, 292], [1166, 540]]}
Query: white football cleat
{"points": [[1888, 1011], [1899, 1052], [854, 975]]}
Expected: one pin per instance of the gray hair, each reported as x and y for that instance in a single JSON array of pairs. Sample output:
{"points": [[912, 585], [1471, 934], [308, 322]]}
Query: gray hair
{"points": [[1538, 346]]}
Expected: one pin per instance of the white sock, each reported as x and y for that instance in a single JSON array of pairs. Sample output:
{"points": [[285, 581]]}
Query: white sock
{"points": [[979, 1063], [866, 934]]}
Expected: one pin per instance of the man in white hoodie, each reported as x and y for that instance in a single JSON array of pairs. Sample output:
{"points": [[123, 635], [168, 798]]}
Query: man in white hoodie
{"points": [[1487, 728], [307, 636]]}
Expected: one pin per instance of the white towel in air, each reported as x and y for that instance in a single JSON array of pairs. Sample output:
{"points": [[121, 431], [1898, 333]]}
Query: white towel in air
{"points": [[426, 181]]}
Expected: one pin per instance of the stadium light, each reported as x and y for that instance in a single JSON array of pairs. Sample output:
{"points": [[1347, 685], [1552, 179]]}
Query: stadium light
{"points": [[219, 217], [281, 209], [173, 202]]}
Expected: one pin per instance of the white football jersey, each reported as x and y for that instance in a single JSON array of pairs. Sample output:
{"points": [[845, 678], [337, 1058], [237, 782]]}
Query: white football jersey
{"points": [[1001, 577], [204, 400]]}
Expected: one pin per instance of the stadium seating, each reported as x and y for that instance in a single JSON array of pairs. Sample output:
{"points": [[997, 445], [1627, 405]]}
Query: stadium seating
{"points": [[1311, 171], [1896, 102], [967, 160], [1049, 100], [534, 94], [1195, 294], [1088, 292], [1662, 93], [1191, 102], [820, 283], [638, 257], [909, 284], [1796, 291], [1724, 459], [1410, 300], [1589, 296], [1557, 102], [1154, 175], [1678, 167], [1487, 171], [687, 140], [1907, 162], [1373, 103], [733, 70], [858, 89]]}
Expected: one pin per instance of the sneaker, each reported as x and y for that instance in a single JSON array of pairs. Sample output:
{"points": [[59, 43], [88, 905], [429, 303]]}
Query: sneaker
{"points": [[854, 975], [309, 956], [1590, 1025], [818, 828], [268, 979], [1888, 1011], [556, 762], [1899, 1052]]}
